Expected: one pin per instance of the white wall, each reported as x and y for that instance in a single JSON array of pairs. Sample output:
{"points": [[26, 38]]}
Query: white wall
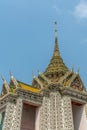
{"points": [[79, 117], [83, 123], [37, 118]]}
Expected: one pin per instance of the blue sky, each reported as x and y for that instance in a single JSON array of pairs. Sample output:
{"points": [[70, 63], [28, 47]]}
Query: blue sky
{"points": [[27, 36]]}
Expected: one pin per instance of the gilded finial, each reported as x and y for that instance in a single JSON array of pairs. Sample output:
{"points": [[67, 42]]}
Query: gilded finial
{"points": [[11, 76], [33, 74], [72, 68], [77, 72], [2, 78], [39, 71], [56, 29], [78, 69], [56, 49], [56, 32]]}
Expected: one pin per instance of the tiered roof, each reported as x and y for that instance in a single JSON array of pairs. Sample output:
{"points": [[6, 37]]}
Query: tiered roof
{"points": [[56, 64]]}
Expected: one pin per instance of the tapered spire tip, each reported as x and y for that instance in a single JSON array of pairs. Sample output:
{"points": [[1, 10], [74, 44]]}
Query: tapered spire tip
{"points": [[56, 29]]}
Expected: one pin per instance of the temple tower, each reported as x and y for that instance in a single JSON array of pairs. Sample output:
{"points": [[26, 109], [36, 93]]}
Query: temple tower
{"points": [[56, 100]]}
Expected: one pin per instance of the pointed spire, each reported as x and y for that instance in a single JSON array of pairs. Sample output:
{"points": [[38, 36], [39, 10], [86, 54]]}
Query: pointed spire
{"points": [[77, 72], [3, 78], [78, 69], [5, 88], [72, 68], [33, 74], [11, 76], [4, 81], [56, 64], [13, 81], [56, 31], [56, 49], [39, 72]]}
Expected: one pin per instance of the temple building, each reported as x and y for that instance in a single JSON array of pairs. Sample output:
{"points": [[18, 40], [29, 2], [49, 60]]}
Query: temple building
{"points": [[56, 100]]}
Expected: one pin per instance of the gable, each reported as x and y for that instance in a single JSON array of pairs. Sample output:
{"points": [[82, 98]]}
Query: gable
{"points": [[77, 84]]}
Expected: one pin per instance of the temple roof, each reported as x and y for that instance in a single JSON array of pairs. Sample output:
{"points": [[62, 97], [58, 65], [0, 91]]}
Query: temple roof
{"points": [[56, 64], [56, 73], [28, 87], [15, 84]]}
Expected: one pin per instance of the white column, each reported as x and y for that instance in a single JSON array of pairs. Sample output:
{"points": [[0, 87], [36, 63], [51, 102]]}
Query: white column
{"points": [[55, 111], [44, 114], [18, 115], [50, 112], [67, 117], [37, 118], [9, 117]]}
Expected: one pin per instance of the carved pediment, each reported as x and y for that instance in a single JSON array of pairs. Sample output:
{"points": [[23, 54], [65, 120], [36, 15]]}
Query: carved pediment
{"points": [[77, 84]]}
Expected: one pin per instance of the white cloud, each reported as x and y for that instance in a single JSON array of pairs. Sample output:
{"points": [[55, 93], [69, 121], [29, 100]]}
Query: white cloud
{"points": [[81, 10]]}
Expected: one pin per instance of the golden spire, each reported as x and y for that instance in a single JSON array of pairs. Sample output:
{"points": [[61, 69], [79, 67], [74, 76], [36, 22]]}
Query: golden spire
{"points": [[56, 31], [56, 64], [56, 49]]}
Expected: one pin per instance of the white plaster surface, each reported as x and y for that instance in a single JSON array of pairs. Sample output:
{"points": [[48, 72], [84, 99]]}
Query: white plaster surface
{"points": [[79, 117]]}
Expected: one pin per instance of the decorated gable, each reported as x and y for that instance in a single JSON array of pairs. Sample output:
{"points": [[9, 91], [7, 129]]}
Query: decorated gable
{"points": [[77, 84]]}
